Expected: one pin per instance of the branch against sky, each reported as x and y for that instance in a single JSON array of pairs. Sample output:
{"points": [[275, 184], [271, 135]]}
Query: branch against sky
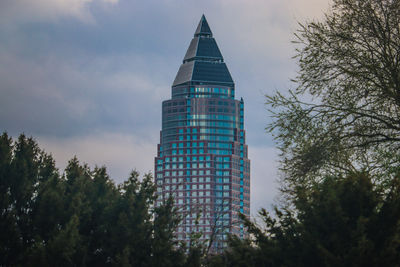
{"points": [[349, 66]]}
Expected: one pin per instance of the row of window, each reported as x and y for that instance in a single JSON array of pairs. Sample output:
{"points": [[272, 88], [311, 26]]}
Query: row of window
{"points": [[204, 123], [188, 144], [188, 166], [197, 229], [205, 108], [222, 173], [197, 123], [170, 135], [173, 110], [194, 158], [173, 103], [220, 145], [194, 172], [218, 151], [182, 173], [199, 172], [223, 90], [211, 90], [211, 95], [188, 151], [226, 145], [181, 201], [212, 117], [190, 186], [216, 131], [189, 193], [166, 194], [192, 180]]}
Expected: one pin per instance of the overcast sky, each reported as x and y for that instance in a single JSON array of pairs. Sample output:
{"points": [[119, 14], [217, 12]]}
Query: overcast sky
{"points": [[87, 77]]}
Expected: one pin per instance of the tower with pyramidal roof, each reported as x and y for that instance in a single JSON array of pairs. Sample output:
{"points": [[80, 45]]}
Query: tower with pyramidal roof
{"points": [[202, 159]]}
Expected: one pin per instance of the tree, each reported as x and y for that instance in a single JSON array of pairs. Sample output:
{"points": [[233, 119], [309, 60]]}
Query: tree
{"points": [[344, 221], [339, 137], [349, 65], [23, 167], [80, 218]]}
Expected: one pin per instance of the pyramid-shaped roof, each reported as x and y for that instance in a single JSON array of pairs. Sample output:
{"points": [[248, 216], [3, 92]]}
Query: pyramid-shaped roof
{"points": [[203, 29], [203, 62]]}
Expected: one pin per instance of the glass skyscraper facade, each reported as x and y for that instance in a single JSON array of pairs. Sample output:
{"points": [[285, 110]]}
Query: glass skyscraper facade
{"points": [[202, 156]]}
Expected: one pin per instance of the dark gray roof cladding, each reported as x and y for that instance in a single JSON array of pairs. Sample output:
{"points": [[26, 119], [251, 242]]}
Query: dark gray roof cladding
{"points": [[191, 52], [205, 72], [203, 61], [203, 28], [211, 72], [203, 48], [184, 73], [208, 48]]}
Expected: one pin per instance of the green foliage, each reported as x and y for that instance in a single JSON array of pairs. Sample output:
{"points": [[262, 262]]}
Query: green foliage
{"points": [[349, 66], [343, 221], [163, 242], [339, 137], [81, 217]]}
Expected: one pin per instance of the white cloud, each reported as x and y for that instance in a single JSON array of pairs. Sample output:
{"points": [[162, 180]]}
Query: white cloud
{"points": [[14, 11]]}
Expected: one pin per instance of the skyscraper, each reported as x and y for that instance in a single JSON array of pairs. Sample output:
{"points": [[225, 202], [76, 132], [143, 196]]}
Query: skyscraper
{"points": [[202, 156]]}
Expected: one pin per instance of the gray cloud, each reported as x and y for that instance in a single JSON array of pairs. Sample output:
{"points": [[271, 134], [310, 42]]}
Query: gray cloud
{"points": [[120, 153], [87, 77]]}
